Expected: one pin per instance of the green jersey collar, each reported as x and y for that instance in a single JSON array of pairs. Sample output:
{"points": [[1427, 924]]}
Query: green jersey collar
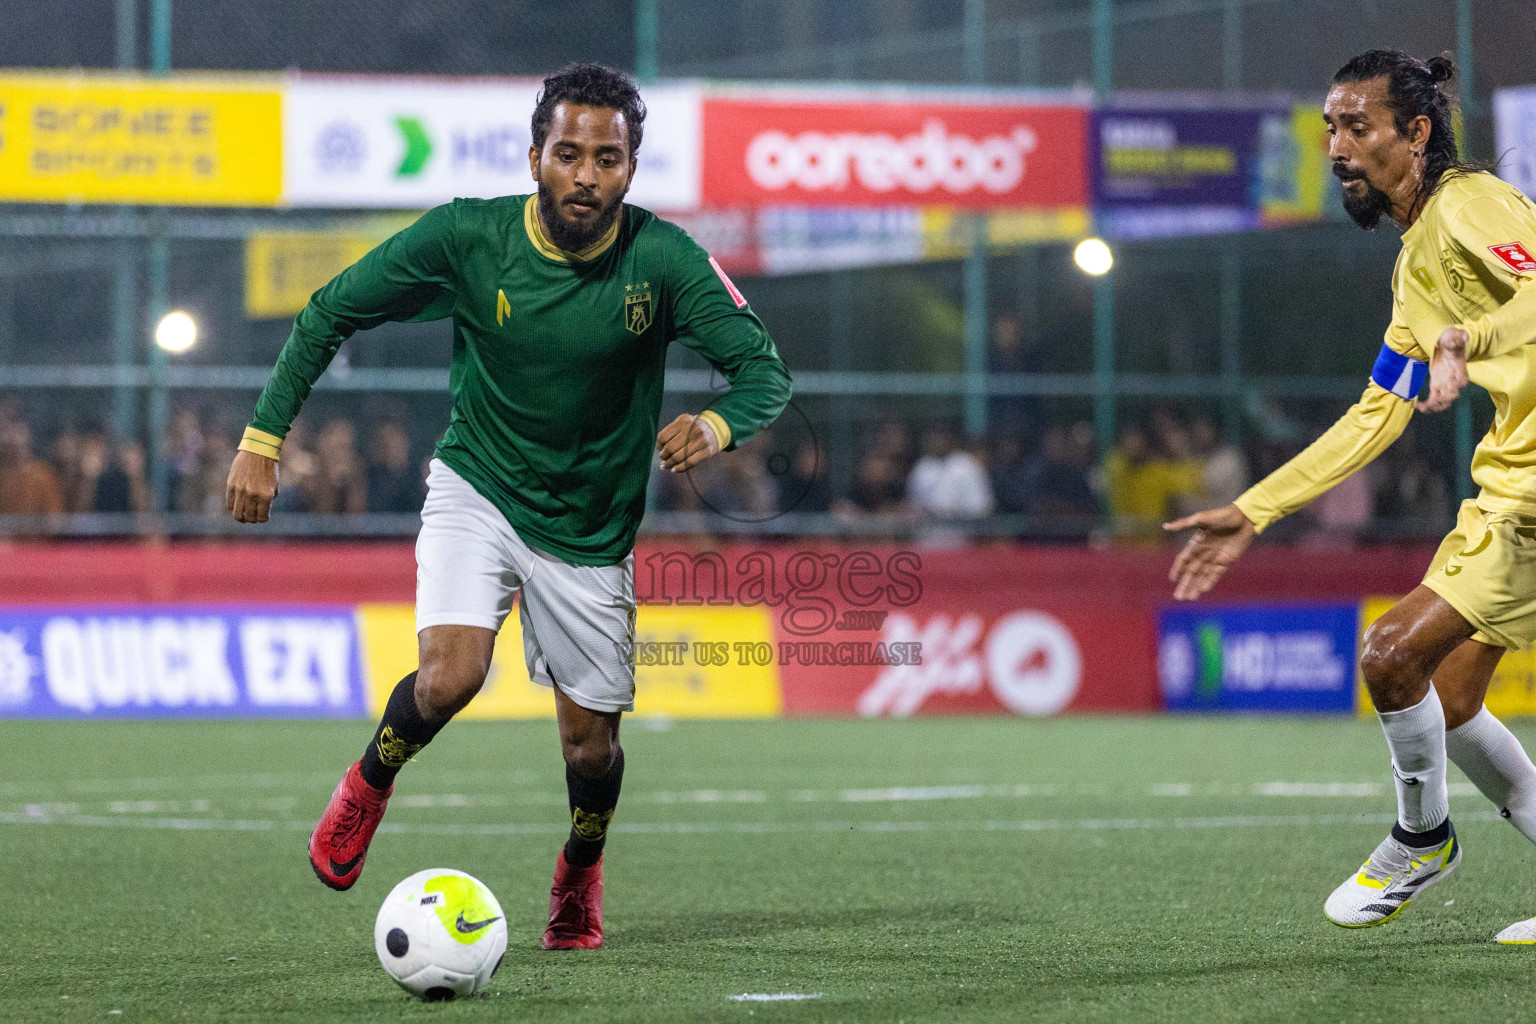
{"points": [[549, 250]]}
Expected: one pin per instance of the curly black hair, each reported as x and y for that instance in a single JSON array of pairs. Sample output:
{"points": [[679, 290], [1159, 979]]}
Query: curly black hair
{"points": [[1414, 88], [592, 85]]}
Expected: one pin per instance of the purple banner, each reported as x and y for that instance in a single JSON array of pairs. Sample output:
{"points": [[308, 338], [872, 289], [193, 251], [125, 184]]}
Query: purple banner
{"points": [[1160, 172], [182, 661]]}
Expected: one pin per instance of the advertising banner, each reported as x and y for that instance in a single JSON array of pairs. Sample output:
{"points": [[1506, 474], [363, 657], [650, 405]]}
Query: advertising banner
{"points": [[978, 653], [879, 151], [183, 661], [1177, 171], [771, 240], [1258, 657], [1514, 129], [1297, 172], [412, 143], [284, 268], [98, 139], [1511, 692], [210, 629], [680, 670]]}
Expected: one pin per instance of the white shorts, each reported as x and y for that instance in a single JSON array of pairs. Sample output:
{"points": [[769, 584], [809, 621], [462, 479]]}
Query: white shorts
{"points": [[578, 620]]}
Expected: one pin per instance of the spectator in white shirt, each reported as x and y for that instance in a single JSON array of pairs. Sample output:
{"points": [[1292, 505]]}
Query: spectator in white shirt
{"points": [[948, 482]]}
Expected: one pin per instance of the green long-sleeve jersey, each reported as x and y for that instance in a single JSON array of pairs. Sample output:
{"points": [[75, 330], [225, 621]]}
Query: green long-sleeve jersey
{"points": [[558, 359]]}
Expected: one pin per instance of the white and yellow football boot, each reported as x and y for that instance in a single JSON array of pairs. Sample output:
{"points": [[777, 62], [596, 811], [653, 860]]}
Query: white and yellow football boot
{"points": [[1389, 880], [1521, 933]]}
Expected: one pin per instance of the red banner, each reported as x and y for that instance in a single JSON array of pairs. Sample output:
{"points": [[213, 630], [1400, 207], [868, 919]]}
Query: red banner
{"points": [[887, 153], [978, 653]]}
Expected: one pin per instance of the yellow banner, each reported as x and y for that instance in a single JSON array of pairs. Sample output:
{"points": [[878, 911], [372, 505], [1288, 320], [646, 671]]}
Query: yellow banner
{"points": [[947, 232], [105, 139], [283, 269], [674, 676], [1511, 692]]}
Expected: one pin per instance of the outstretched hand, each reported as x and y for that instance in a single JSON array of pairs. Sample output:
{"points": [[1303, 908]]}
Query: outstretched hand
{"points": [[686, 442], [1447, 371], [1221, 535]]}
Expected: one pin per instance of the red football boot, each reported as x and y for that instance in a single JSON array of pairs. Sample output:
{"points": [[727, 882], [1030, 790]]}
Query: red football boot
{"points": [[575, 907], [339, 844]]}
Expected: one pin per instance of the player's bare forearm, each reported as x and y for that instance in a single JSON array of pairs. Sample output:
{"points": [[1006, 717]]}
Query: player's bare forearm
{"points": [[1447, 371], [1221, 536], [686, 442], [251, 487]]}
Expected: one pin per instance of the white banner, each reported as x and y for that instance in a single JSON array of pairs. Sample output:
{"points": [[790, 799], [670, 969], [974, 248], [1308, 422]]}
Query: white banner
{"points": [[1514, 126], [411, 143]]}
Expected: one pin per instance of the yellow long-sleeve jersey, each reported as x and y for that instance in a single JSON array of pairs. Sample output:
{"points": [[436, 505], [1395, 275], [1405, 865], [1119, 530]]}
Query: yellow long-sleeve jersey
{"points": [[1468, 261]]}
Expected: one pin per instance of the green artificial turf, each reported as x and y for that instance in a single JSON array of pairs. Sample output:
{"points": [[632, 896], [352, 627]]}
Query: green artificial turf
{"points": [[1145, 869]]}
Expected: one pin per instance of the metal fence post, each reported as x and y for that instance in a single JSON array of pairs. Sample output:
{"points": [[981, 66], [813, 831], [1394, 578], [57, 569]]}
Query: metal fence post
{"points": [[647, 39], [1104, 284], [976, 257], [1231, 343], [159, 289]]}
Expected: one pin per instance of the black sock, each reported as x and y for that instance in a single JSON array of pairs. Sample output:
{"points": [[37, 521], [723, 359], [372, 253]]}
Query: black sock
{"points": [[1422, 840], [401, 734], [592, 805]]}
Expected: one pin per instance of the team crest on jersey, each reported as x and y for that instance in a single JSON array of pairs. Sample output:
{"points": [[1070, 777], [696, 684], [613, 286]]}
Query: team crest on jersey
{"points": [[639, 312]]}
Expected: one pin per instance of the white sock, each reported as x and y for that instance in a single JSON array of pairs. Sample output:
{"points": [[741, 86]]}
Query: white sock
{"points": [[1498, 766], [1416, 737]]}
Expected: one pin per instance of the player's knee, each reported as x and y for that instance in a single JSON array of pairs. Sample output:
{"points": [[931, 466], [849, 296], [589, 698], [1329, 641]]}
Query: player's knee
{"points": [[590, 756], [445, 683], [1392, 669]]}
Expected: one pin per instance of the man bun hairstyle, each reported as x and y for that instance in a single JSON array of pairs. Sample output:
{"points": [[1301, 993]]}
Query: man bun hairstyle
{"points": [[591, 85], [1441, 68], [1414, 89]]}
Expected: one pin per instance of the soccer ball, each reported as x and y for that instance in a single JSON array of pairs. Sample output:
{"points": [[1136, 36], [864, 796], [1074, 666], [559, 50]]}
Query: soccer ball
{"points": [[440, 934]]}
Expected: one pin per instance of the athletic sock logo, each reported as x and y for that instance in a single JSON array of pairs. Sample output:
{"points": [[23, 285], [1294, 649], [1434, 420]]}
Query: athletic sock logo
{"points": [[591, 825], [395, 751]]}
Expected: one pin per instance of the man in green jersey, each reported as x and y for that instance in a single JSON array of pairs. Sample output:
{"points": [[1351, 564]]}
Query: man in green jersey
{"points": [[563, 305]]}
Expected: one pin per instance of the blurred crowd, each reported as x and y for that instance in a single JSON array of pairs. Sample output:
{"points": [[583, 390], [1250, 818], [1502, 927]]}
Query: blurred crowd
{"points": [[1054, 483], [1163, 468], [325, 472], [1048, 477]]}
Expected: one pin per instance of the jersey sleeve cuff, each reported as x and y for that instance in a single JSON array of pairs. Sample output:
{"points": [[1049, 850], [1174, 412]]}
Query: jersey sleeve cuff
{"points": [[721, 428], [1253, 505], [261, 443], [1479, 337]]}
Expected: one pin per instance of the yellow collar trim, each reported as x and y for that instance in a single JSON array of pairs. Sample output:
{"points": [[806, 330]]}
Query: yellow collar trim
{"points": [[554, 252]]}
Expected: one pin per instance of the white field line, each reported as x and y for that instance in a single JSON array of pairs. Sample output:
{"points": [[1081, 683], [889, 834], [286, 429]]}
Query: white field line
{"points": [[726, 828], [181, 804], [773, 997]]}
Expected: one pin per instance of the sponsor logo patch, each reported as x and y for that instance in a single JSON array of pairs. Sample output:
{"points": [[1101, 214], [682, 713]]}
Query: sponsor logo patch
{"points": [[1515, 256], [1421, 274]]}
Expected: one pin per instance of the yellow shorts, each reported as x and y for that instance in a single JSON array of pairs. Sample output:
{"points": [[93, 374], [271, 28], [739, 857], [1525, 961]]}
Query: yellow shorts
{"points": [[1486, 570]]}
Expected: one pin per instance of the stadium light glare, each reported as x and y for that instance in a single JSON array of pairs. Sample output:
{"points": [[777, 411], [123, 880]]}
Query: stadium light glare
{"points": [[176, 332], [1093, 256]]}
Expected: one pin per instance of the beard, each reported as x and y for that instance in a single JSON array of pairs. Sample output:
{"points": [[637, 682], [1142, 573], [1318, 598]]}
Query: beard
{"points": [[1365, 209], [574, 236]]}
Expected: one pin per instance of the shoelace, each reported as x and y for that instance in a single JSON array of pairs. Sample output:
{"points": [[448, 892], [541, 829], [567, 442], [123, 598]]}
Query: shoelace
{"points": [[1390, 859], [347, 824], [567, 898]]}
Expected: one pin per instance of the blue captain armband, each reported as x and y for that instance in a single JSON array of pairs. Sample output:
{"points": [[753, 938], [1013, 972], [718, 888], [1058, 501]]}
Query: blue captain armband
{"points": [[1399, 374]]}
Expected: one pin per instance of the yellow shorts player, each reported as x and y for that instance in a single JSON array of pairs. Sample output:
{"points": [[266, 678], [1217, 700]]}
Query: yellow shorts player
{"points": [[1463, 306]]}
